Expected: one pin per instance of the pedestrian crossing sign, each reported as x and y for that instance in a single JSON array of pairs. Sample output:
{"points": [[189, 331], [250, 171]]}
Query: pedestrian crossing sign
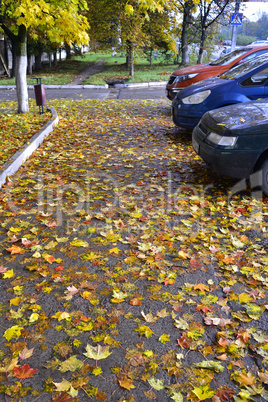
{"points": [[236, 19]]}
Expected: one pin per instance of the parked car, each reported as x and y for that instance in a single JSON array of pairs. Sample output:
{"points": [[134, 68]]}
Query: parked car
{"points": [[186, 76], [233, 141], [227, 49], [242, 83], [260, 42]]}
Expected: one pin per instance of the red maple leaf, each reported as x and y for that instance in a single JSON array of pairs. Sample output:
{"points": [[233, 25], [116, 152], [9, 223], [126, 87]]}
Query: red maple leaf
{"points": [[59, 268], [63, 397], [24, 371]]}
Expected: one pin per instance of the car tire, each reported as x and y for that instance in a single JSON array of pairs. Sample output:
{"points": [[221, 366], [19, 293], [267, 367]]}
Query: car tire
{"points": [[264, 173]]}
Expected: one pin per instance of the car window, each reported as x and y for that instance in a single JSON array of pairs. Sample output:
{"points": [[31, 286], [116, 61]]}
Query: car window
{"points": [[255, 54], [257, 79], [242, 69], [228, 58]]}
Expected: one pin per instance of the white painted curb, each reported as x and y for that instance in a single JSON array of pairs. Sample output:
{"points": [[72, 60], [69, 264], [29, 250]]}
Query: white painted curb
{"points": [[15, 162], [135, 85]]}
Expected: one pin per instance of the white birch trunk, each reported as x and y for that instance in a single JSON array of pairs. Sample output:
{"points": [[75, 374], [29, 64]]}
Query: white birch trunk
{"points": [[21, 84]]}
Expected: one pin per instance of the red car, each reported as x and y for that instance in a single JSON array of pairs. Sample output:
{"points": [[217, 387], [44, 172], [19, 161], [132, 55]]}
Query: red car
{"points": [[189, 75]]}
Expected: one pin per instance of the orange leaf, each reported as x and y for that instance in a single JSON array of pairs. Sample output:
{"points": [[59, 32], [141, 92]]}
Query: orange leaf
{"points": [[201, 286], [59, 268], [49, 258], [24, 371], [135, 302], [15, 249], [244, 378]]}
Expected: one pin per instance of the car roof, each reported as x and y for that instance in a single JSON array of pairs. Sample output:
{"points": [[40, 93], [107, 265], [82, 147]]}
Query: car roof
{"points": [[215, 81]]}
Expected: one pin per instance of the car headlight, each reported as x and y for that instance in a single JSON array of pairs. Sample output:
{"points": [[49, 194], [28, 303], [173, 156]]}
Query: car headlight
{"points": [[199, 97], [220, 140], [185, 77]]}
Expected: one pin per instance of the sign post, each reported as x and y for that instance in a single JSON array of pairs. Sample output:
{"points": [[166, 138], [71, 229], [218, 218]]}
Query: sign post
{"points": [[236, 17]]}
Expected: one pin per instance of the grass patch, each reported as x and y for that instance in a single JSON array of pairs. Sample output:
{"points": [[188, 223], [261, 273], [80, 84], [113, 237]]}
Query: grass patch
{"points": [[114, 68], [61, 74], [16, 129]]}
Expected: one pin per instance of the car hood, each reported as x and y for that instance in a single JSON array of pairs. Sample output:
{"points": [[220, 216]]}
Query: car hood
{"points": [[197, 68], [204, 85], [243, 117]]}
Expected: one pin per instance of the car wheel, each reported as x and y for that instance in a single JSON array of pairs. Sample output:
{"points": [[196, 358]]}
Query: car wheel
{"points": [[264, 170]]}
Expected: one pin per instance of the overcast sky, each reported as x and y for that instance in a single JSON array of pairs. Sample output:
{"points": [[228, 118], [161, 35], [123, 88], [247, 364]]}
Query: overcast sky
{"points": [[253, 10]]}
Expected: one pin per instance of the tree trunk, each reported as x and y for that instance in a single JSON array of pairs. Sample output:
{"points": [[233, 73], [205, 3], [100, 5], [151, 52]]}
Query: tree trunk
{"points": [[55, 61], [201, 47], [21, 70], [68, 51], [151, 57], [184, 42], [14, 56], [38, 62], [49, 60], [130, 58], [30, 65], [6, 52], [187, 14]]}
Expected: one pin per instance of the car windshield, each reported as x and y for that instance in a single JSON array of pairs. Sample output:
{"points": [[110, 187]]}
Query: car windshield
{"points": [[244, 68], [228, 58]]}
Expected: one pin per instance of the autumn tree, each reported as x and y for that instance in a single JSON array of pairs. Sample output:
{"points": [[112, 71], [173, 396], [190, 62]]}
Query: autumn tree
{"points": [[186, 9], [209, 13], [122, 19], [61, 19], [160, 32]]}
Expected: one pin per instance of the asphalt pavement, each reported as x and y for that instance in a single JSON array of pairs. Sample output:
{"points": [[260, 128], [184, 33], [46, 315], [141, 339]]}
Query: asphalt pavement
{"points": [[135, 91]]}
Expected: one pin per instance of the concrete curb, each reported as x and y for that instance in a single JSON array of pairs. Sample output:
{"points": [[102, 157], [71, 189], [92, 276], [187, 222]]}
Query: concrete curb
{"points": [[136, 85], [15, 162]]}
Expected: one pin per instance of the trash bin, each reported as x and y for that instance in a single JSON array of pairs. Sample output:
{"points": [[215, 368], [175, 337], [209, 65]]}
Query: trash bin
{"points": [[40, 95]]}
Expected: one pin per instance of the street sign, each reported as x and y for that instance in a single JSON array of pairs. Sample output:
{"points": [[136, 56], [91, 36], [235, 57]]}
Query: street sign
{"points": [[236, 19]]}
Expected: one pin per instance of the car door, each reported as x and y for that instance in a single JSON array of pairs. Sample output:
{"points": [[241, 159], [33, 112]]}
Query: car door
{"points": [[254, 86]]}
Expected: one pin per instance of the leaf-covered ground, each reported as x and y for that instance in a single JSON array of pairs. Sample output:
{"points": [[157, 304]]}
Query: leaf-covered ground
{"points": [[129, 271], [17, 129]]}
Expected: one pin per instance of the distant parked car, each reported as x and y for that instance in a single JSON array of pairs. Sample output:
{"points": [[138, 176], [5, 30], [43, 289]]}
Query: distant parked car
{"points": [[186, 76], [242, 83], [233, 141], [227, 50], [227, 42], [260, 42]]}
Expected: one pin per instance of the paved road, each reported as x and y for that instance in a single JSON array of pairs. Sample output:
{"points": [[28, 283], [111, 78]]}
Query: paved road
{"points": [[156, 92]]}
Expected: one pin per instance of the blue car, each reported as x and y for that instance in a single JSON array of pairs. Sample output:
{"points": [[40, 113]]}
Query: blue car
{"points": [[242, 83]]}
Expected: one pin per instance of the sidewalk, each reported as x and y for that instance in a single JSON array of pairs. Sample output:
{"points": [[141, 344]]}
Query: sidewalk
{"points": [[10, 167], [69, 86], [125, 273]]}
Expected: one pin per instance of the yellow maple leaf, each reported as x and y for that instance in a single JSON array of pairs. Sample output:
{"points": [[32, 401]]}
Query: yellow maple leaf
{"points": [[86, 294], [13, 332], [126, 383], [33, 317], [15, 301], [183, 255], [8, 274], [114, 250], [164, 338], [245, 298]]}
